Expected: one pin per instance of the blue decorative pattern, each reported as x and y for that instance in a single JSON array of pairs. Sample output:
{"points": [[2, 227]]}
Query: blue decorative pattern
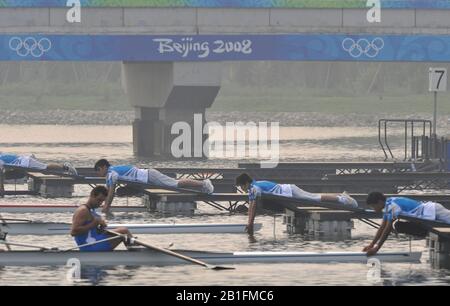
{"points": [[308, 47]]}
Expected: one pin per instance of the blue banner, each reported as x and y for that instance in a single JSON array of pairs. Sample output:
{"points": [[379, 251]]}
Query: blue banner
{"points": [[308, 47], [419, 4]]}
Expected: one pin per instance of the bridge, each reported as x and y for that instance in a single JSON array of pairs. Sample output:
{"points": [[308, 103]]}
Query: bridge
{"points": [[172, 50]]}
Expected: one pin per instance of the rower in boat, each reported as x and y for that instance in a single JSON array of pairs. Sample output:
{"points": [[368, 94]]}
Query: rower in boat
{"points": [[393, 207], [30, 162], [152, 176], [87, 225], [255, 188]]}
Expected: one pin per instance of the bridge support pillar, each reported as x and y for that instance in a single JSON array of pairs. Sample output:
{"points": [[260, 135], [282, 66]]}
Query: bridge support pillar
{"points": [[165, 93]]}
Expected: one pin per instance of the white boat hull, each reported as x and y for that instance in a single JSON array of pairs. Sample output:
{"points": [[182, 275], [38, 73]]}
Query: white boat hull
{"points": [[29, 209], [41, 228], [146, 257]]}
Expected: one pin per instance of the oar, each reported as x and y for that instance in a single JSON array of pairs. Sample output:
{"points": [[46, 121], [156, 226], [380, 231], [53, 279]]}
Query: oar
{"points": [[175, 254], [4, 220], [9, 244]]}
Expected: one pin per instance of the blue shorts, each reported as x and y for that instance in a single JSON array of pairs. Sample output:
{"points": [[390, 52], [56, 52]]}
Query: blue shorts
{"points": [[104, 246]]}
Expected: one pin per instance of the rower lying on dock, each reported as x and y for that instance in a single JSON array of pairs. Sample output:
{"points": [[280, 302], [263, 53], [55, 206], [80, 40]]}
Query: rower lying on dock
{"points": [[133, 174], [29, 162], [88, 227], [256, 188], [395, 207]]}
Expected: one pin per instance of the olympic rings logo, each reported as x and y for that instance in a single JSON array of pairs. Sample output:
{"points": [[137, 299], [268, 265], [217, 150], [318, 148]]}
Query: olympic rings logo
{"points": [[30, 46], [363, 47]]}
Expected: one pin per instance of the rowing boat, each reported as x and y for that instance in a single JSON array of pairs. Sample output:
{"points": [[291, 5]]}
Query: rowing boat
{"points": [[29, 209], [142, 257], [43, 228]]}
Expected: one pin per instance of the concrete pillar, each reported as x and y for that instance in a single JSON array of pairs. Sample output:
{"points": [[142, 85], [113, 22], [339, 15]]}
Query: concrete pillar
{"points": [[319, 224], [163, 93], [439, 249], [169, 207], [51, 188]]}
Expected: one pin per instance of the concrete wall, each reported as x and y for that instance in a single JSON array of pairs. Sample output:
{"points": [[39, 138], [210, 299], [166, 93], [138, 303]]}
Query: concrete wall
{"points": [[204, 20]]}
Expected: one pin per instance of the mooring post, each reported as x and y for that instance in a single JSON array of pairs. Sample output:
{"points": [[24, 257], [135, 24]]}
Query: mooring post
{"points": [[439, 248]]}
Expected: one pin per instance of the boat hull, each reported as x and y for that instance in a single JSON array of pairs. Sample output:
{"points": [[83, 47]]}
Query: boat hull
{"points": [[38, 228], [144, 257]]}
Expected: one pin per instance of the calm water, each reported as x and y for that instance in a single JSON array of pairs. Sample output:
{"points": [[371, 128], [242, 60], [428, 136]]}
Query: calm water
{"points": [[84, 144]]}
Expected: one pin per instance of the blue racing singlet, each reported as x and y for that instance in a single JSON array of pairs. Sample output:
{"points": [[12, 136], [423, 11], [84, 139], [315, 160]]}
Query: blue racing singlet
{"points": [[396, 205], [93, 235]]}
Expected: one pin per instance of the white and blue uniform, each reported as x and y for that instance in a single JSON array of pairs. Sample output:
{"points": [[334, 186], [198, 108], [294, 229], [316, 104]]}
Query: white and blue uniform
{"points": [[92, 236], [21, 161], [134, 174], [125, 172], [396, 206], [292, 191], [259, 187], [286, 190]]}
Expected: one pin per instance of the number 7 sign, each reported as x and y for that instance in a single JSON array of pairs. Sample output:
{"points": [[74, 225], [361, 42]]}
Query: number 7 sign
{"points": [[438, 79]]}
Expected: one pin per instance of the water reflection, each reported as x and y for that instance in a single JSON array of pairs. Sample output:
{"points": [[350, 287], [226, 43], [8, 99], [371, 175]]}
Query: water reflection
{"points": [[82, 146]]}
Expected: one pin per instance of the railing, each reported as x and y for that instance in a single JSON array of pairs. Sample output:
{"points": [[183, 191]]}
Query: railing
{"points": [[418, 146]]}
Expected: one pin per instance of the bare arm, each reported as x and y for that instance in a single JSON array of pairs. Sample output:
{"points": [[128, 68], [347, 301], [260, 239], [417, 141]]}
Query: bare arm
{"points": [[386, 231], [377, 236], [251, 216], [109, 198], [385, 235], [78, 220]]}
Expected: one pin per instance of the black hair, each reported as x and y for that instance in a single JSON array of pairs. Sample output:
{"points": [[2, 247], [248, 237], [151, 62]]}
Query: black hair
{"points": [[243, 179], [375, 197], [101, 163], [99, 190]]}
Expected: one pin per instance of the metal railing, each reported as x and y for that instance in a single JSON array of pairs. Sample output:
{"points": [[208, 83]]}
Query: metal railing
{"points": [[410, 127]]}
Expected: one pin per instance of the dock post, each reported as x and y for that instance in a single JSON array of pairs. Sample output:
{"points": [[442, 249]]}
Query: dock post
{"points": [[50, 187], [321, 224], [330, 225], [169, 207], [439, 248], [295, 224]]}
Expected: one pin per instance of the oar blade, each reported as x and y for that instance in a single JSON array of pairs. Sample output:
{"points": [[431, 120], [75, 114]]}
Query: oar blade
{"points": [[218, 268]]}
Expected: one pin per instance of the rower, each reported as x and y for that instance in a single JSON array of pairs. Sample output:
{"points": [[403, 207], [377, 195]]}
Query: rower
{"points": [[255, 188], [87, 225], [151, 176], [30, 162], [393, 207]]}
